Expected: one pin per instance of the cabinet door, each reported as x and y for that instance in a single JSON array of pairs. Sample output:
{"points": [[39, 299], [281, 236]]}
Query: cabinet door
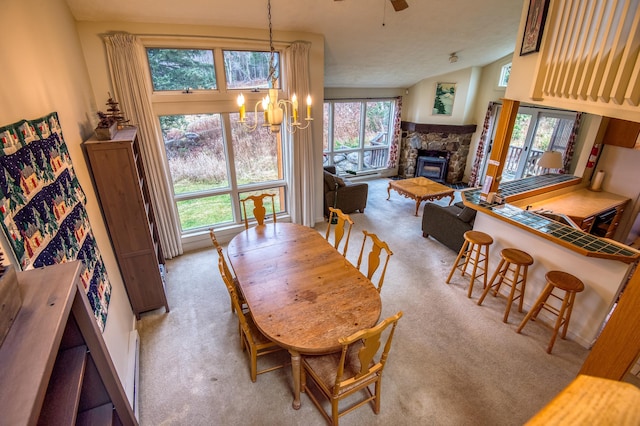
{"points": [[621, 133]]}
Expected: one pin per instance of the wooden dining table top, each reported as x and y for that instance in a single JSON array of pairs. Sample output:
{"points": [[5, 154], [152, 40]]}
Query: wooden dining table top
{"points": [[302, 293]]}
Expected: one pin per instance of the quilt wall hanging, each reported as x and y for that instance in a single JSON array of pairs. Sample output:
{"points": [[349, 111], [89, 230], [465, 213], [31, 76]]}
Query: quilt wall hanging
{"points": [[43, 206]]}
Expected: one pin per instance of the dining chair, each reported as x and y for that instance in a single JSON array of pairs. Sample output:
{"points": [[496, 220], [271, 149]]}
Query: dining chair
{"points": [[341, 220], [359, 365], [251, 338], [373, 259], [227, 270], [259, 211]]}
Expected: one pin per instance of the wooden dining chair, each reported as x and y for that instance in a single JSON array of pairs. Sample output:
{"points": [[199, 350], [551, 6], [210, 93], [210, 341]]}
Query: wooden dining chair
{"points": [[227, 270], [341, 220], [373, 259], [259, 211], [251, 339], [359, 365]]}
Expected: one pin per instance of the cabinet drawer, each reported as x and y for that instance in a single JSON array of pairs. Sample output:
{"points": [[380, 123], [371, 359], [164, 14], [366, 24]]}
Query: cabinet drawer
{"points": [[587, 223]]}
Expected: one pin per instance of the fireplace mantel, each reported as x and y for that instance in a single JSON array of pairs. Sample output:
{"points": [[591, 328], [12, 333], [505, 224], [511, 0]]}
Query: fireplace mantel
{"points": [[438, 128]]}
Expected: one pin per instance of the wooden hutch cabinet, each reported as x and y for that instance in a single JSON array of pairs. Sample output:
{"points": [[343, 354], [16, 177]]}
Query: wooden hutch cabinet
{"points": [[56, 369], [122, 188]]}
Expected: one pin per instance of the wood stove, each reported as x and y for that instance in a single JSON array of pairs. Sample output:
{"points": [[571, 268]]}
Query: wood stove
{"points": [[432, 165]]}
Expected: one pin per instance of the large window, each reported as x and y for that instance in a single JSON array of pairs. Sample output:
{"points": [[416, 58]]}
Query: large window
{"points": [[214, 161], [357, 134]]}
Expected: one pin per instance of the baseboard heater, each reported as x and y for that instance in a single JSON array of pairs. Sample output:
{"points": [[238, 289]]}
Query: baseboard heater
{"points": [[361, 173], [133, 371]]}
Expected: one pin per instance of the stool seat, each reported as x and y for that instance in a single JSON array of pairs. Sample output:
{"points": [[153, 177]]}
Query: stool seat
{"points": [[518, 260], [570, 285], [478, 237], [472, 253], [517, 257], [564, 281]]}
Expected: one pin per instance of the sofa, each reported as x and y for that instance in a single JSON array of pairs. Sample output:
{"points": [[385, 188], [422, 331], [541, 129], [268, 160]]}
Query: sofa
{"points": [[346, 196], [447, 224]]}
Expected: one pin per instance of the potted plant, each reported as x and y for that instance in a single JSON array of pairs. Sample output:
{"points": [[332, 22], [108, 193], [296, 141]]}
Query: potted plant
{"points": [[107, 127]]}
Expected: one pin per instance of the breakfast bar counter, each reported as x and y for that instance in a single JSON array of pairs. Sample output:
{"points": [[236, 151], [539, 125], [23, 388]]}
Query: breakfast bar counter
{"points": [[602, 264]]}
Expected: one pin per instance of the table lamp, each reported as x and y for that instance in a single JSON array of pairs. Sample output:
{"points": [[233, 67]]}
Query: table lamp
{"points": [[550, 160]]}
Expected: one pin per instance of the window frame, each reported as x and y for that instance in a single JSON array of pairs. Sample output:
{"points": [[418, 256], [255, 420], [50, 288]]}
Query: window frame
{"points": [[330, 152], [217, 101]]}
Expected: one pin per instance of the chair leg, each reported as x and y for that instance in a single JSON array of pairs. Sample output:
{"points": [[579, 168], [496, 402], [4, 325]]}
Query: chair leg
{"points": [[537, 306], [556, 328], [475, 269], [514, 284], [493, 278], [335, 415], [376, 408], [456, 264]]}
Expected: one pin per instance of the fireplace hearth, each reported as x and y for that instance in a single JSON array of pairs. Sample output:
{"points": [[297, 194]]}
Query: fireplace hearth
{"points": [[432, 165]]}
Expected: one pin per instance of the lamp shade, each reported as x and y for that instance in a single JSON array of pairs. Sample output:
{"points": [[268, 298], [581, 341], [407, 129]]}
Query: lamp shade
{"points": [[551, 160]]}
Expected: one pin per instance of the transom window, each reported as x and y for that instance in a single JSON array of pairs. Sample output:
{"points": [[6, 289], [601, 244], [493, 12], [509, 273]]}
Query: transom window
{"points": [[213, 160], [357, 134], [505, 72]]}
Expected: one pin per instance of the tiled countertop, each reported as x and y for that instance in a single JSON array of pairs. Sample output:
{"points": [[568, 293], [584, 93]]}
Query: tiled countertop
{"points": [[565, 235]]}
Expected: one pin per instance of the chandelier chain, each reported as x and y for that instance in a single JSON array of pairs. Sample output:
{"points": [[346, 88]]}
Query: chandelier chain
{"points": [[272, 69]]}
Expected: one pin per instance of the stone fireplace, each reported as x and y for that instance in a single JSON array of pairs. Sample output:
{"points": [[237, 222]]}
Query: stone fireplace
{"points": [[436, 141]]}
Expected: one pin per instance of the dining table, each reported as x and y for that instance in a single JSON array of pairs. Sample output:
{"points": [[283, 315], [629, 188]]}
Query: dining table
{"points": [[301, 292]]}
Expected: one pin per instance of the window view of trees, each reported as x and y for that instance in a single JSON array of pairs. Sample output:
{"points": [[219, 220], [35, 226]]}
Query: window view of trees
{"points": [[214, 160], [248, 70], [180, 69], [357, 134]]}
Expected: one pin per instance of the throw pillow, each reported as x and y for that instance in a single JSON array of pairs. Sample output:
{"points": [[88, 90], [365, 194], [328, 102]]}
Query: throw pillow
{"points": [[328, 181], [467, 214], [339, 180]]}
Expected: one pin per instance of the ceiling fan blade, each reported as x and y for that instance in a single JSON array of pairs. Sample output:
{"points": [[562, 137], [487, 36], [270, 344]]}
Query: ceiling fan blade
{"points": [[399, 5]]}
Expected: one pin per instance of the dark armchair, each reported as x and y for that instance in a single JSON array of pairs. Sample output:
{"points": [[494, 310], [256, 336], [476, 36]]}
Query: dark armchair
{"points": [[447, 224], [342, 195]]}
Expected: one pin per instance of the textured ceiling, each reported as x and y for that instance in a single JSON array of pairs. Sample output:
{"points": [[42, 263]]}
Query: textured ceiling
{"points": [[367, 43]]}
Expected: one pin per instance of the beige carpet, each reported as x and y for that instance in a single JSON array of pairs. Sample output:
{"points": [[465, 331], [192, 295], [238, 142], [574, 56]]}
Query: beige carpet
{"points": [[452, 362]]}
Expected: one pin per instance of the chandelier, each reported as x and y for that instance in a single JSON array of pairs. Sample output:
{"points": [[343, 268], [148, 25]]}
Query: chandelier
{"points": [[277, 112]]}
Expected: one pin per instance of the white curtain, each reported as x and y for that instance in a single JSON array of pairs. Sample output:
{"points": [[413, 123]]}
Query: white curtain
{"points": [[127, 62], [299, 145]]}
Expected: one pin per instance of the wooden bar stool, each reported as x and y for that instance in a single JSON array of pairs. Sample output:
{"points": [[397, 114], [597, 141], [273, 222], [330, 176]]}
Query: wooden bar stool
{"points": [[474, 242], [517, 262], [561, 281]]}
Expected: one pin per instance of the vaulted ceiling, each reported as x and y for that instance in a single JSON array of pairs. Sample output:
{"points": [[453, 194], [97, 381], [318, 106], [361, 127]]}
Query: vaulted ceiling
{"points": [[367, 43]]}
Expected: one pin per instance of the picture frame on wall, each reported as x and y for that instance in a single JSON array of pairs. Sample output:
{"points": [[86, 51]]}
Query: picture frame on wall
{"points": [[445, 95], [534, 27]]}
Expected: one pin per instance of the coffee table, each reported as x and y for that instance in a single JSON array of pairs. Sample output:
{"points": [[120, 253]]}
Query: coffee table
{"points": [[420, 189]]}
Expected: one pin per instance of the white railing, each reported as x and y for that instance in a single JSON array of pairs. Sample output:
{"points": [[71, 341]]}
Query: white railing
{"points": [[591, 53]]}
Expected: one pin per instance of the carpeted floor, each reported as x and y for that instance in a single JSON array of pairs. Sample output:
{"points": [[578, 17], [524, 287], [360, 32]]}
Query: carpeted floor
{"points": [[452, 362]]}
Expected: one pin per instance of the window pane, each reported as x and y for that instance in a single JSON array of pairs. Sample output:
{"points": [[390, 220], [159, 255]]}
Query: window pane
{"points": [[376, 125], [346, 125], [505, 72], [325, 126], [204, 212], [249, 70], [278, 200], [347, 162], [195, 152], [257, 155], [178, 69]]}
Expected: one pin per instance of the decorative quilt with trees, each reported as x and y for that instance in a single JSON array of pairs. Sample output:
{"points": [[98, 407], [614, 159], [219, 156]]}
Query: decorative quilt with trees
{"points": [[42, 206]]}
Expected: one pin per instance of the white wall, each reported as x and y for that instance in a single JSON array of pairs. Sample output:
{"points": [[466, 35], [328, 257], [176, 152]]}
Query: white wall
{"points": [[418, 103], [43, 70], [622, 175]]}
